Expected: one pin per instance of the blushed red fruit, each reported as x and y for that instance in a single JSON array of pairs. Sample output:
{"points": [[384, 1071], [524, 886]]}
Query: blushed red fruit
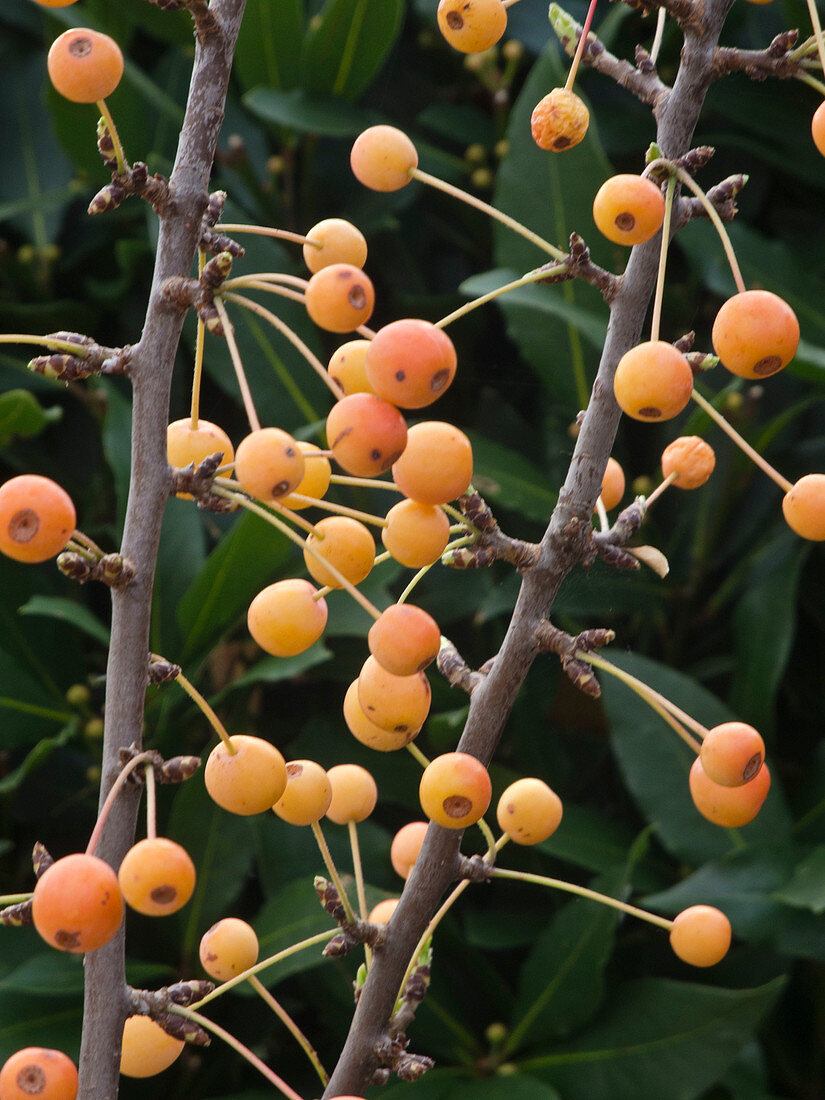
{"points": [[804, 507], [732, 753], [339, 298], [559, 120], [455, 790], [410, 363], [84, 65], [38, 1072], [146, 1048], [628, 209], [382, 158], [437, 463], [77, 905], [156, 876], [248, 781], [731, 807], [365, 434], [701, 935], [755, 334], [37, 518], [653, 381]]}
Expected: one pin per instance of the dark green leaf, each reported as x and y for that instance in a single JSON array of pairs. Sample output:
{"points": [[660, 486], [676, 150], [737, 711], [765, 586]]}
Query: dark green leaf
{"points": [[36, 756], [269, 45], [806, 889], [24, 705], [22, 415], [308, 112], [293, 915], [347, 44], [68, 611], [503, 475]]}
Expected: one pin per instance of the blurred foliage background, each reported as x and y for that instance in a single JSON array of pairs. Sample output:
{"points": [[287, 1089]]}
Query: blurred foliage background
{"points": [[533, 996]]}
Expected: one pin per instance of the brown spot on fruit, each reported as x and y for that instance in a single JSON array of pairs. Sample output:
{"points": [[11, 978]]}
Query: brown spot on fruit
{"points": [[31, 1080], [400, 375], [769, 365], [294, 770], [561, 142], [651, 412], [457, 805], [752, 766], [23, 525], [69, 941], [357, 297], [439, 380], [279, 488], [163, 895], [454, 21], [80, 46], [625, 221]]}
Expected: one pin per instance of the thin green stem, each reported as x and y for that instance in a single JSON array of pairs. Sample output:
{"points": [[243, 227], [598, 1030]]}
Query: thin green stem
{"points": [[123, 775], [657, 492], [487, 833], [525, 280], [817, 28], [333, 871], [215, 722], [358, 869], [752, 454], [197, 374], [806, 78], [120, 156], [291, 1026], [266, 231], [238, 1046], [479, 204], [50, 342], [665, 242], [14, 899], [417, 754], [339, 509], [582, 892], [288, 952], [237, 363], [362, 482]]}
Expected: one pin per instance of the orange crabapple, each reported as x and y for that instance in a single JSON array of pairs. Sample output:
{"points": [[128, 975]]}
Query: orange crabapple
{"points": [[37, 518], [405, 639], [455, 790], [804, 507], [437, 463], [248, 781], [365, 434], [755, 334], [732, 753], [55, 3], [613, 484], [406, 844], [701, 935], [472, 26], [381, 913], [559, 120], [334, 241], [410, 363], [691, 459], [730, 807], [185, 444], [339, 298], [228, 948], [307, 795], [348, 367], [529, 811], [354, 793], [40, 1072], [146, 1048], [269, 464], [366, 731], [818, 128], [77, 905], [286, 618], [628, 209], [416, 534], [653, 381], [345, 544], [315, 482], [84, 65], [382, 158], [156, 876], [396, 703]]}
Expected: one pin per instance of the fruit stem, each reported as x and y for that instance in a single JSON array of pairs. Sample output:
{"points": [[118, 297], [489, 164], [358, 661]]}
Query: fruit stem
{"points": [[120, 156], [499, 215], [252, 506], [583, 892], [817, 28], [123, 775], [358, 868], [487, 833], [264, 281], [293, 337], [14, 899], [290, 1024], [207, 711], [665, 242], [237, 362], [456, 513], [151, 803], [333, 871], [672, 714], [362, 482], [752, 454], [238, 1046], [53, 344], [806, 78], [417, 754], [339, 509], [319, 937], [281, 509], [657, 492], [574, 68], [525, 280], [197, 374], [266, 231], [88, 543], [658, 36], [601, 512]]}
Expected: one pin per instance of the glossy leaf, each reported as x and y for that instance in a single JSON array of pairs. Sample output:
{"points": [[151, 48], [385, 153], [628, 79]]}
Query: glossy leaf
{"points": [[347, 45]]}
